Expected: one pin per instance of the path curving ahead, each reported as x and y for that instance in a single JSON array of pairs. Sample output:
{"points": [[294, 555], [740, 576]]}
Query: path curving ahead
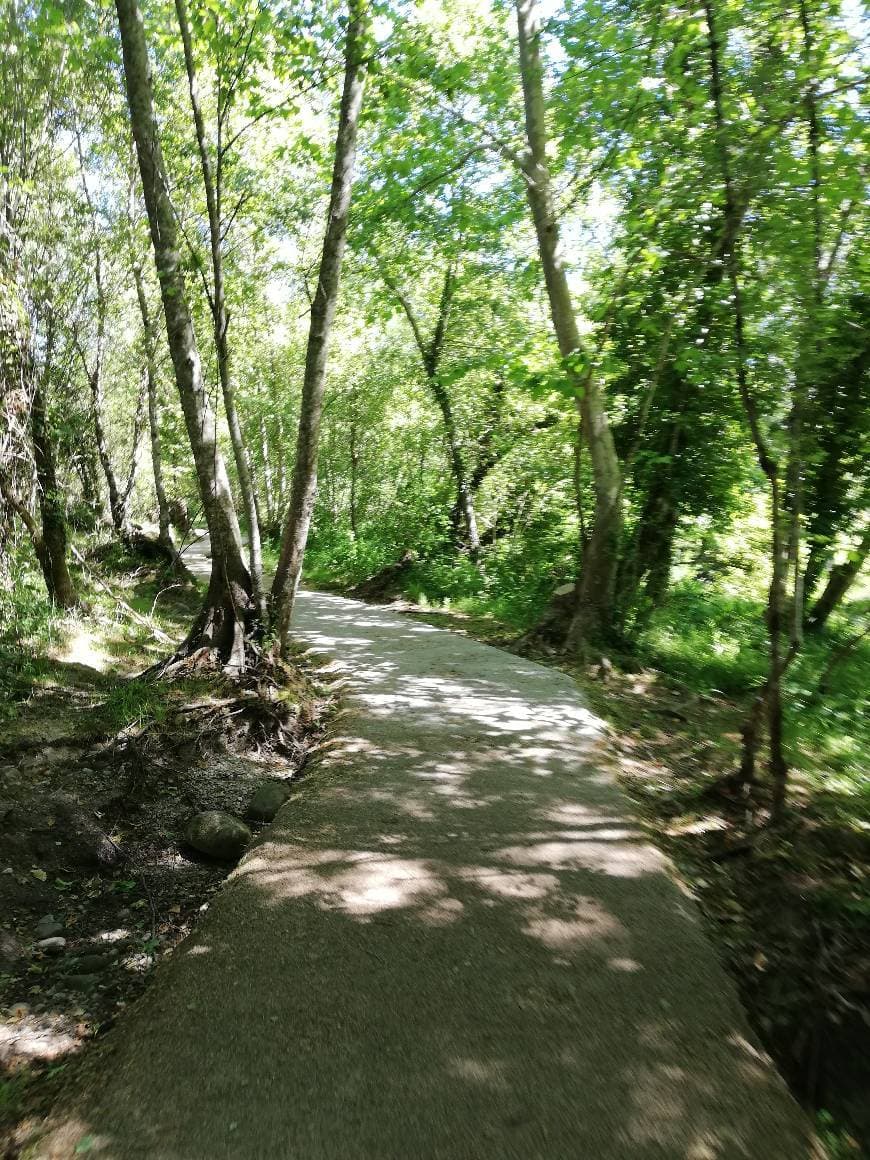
{"points": [[452, 944]]}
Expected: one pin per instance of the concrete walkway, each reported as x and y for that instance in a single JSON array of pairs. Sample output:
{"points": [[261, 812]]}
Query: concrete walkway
{"points": [[453, 944]]}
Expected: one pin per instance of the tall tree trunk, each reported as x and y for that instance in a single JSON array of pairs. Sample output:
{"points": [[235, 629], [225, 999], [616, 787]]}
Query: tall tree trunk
{"points": [[87, 471], [430, 353], [431, 361], [840, 580], [645, 568], [212, 183], [52, 545], [95, 382], [769, 697], [229, 610], [268, 471], [304, 487], [164, 521], [595, 615], [138, 428], [17, 374], [354, 472], [94, 373]]}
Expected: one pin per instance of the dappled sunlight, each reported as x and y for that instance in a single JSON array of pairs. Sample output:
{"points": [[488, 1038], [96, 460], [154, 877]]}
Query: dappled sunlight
{"points": [[624, 964], [454, 911], [752, 1061], [37, 1038], [583, 921], [567, 813], [360, 883], [619, 859], [82, 648], [477, 1071], [364, 883], [511, 884], [410, 805]]}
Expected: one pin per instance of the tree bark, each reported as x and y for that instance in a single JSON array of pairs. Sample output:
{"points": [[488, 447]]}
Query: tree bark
{"points": [[164, 521], [138, 428], [769, 697], [51, 547], [229, 611], [354, 472], [212, 183], [304, 486], [840, 580], [430, 353], [95, 382], [117, 500], [268, 490], [594, 619], [88, 472], [646, 566]]}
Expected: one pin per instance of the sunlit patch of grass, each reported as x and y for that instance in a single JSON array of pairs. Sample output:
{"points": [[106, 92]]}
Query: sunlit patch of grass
{"points": [[709, 641], [29, 628], [133, 702]]}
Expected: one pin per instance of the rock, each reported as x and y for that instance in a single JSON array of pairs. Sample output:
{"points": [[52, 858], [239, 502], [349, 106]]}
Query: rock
{"points": [[51, 946], [267, 800], [91, 964], [81, 982], [82, 840], [218, 834], [10, 948], [49, 927], [10, 778]]}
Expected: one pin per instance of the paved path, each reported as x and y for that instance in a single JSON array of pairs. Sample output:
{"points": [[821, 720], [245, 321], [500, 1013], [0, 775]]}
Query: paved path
{"points": [[453, 944]]}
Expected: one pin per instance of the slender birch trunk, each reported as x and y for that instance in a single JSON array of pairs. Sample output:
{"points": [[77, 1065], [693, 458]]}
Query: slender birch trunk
{"points": [[211, 179], [431, 352], [229, 611], [164, 522], [304, 486], [595, 614]]}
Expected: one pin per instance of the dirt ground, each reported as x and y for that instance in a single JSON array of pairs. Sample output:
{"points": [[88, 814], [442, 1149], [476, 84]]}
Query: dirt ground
{"points": [[99, 773]]}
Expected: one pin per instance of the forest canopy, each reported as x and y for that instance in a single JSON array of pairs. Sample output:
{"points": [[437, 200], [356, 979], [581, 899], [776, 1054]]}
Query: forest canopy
{"points": [[548, 299]]}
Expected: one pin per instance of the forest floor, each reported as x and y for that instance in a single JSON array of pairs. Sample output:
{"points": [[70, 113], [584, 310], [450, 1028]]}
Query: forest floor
{"points": [[788, 910], [99, 771]]}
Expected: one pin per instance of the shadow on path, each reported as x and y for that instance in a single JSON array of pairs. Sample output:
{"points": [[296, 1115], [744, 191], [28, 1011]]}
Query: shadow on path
{"points": [[453, 943]]}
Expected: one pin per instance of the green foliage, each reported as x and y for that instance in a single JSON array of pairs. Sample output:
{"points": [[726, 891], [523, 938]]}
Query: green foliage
{"points": [[707, 641], [132, 703], [29, 627]]}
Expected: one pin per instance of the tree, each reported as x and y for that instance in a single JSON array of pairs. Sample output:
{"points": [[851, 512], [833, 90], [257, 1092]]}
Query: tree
{"points": [[594, 618], [27, 453], [213, 186], [431, 351], [298, 520], [228, 614]]}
